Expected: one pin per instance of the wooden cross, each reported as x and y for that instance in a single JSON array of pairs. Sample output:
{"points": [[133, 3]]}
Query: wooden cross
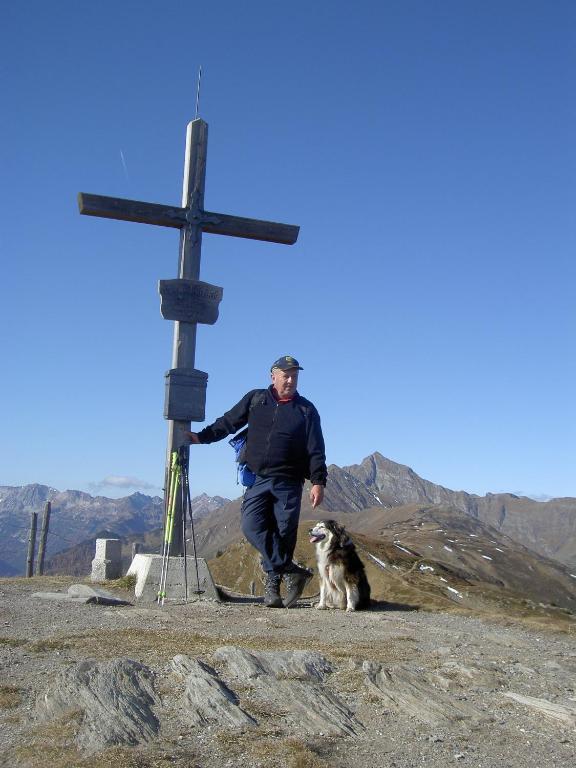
{"points": [[192, 220]]}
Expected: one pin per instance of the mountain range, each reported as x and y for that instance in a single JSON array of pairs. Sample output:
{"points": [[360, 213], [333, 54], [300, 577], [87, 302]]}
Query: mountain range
{"points": [[373, 490], [77, 517], [378, 485], [547, 527]]}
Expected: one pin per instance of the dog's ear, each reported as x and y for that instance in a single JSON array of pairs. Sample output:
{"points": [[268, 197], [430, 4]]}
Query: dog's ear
{"points": [[341, 535]]}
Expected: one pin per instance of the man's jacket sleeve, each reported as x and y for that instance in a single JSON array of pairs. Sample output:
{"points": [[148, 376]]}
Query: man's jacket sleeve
{"points": [[229, 423], [316, 450]]}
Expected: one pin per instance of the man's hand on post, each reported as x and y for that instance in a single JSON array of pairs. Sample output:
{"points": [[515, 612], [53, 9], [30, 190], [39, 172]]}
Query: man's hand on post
{"points": [[193, 437], [316, 495]]}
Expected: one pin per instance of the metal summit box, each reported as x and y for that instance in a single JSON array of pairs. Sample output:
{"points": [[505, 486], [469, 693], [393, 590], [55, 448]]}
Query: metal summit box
{"points": [[185, 394]]}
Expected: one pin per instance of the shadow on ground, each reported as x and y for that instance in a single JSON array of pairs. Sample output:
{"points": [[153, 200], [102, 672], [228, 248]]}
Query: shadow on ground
{"points": [[376, 605]]}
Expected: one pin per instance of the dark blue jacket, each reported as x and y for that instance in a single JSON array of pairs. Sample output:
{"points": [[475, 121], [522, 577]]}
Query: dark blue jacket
{"points": [[284, 439]]}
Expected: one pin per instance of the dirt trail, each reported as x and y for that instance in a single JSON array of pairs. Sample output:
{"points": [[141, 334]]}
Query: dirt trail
{"points": [[420, 688]]}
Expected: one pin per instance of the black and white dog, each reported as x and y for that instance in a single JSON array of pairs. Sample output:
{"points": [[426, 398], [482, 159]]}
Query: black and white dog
{"points": [[343, 582]]}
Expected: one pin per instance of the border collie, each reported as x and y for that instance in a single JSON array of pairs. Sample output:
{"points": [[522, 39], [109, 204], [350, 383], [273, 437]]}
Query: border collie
{"points": [[343, 582]]}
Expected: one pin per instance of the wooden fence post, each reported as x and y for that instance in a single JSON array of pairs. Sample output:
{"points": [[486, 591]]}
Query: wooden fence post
{"points": [[31, 544], [43, 537]]}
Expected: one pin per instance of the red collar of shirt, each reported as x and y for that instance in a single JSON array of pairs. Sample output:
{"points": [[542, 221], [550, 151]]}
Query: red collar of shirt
{"points": [[283, 399]]}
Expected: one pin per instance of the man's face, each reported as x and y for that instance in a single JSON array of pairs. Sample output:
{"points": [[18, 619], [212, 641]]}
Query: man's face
{"points": [[285, 382]]}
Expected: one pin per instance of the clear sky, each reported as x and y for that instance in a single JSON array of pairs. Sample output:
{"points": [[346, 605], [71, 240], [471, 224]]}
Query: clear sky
{"points": [[426, 149]]}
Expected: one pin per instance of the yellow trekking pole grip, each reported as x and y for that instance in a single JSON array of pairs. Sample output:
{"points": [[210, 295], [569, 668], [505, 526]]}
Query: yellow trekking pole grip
{"points": [[174, 482]]}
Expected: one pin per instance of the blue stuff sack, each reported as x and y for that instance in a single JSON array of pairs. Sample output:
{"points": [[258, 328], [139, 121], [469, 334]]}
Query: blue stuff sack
{"points": [[245, 476]]}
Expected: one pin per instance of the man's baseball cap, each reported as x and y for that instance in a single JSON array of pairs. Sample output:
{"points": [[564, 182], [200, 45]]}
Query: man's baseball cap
{"points": [[285, 363]]}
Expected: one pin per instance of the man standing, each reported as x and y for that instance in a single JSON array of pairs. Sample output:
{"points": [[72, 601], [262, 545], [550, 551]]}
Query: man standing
{"points": [[285, 446]]}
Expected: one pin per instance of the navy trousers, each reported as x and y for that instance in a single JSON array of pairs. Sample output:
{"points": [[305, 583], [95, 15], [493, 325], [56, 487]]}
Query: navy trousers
{"points": [[270, 514]]}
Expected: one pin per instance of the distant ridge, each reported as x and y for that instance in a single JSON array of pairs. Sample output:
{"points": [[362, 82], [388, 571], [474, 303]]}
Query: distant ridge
{"points": [[547, 527], [76, 517], [379, 484], [376, 484]]}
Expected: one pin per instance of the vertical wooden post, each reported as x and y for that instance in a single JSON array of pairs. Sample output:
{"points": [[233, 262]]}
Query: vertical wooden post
{"points": [[43, 537], [31, 544], [184, 346]]}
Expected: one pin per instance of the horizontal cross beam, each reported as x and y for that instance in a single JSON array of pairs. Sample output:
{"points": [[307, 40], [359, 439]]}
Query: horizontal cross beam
{"points": [[131, 210], [176, 217]]}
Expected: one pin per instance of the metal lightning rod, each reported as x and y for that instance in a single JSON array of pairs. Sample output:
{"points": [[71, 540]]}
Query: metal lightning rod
{"points": [[198, 92]]}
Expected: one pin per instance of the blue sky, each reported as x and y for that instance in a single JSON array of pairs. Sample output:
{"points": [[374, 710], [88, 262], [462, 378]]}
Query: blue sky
{"points": [[427, 151]]}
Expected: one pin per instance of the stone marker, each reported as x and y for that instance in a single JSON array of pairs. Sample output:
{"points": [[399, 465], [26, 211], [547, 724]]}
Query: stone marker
{"points": [[148, 569], [107, 563]]}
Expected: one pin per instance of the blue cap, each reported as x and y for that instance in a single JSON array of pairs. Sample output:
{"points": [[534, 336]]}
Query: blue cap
{"points": [[285, 363]]}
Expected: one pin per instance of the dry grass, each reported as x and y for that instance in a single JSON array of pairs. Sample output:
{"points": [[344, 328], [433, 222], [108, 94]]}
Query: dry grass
{"points": [[67, 756], [125, 583], [49, 644], [146, 646], [44, 582], [54, 744], [51, 743], [286, 753], [12, 642], [349, 680], [270, 749], [543, 621], [10, 696], [261, 711], [159, 646]]}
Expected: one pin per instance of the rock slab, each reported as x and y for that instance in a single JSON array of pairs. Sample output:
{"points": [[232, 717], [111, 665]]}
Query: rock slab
{"points": [[116, 700]]}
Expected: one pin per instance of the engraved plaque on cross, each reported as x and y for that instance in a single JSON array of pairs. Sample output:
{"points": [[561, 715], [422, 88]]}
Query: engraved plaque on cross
{"points": [[190, 301]]}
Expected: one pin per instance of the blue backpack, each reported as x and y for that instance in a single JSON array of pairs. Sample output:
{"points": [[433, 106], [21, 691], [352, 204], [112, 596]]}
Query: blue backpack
{"points": [[245, 476]]}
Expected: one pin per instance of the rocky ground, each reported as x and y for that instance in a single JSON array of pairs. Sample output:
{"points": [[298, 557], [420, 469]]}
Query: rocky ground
{"points": [[234, 684]]}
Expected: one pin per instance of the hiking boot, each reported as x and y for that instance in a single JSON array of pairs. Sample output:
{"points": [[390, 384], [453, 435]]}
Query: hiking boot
{"points": [[295, 582], [272, 597]]}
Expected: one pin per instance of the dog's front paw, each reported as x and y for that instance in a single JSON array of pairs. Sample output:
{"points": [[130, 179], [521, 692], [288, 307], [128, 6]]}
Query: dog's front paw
{"points": [[350, 608], [320, 606]]}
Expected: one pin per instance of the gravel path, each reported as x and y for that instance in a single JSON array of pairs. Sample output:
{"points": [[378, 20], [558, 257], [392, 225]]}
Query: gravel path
{"points": [[424, 689]]}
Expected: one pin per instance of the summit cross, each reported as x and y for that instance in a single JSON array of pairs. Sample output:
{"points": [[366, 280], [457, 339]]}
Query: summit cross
{"points": [[185, 387]]}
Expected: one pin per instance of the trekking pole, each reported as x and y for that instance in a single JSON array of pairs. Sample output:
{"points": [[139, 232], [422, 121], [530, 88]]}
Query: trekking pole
{"points": [[168, 501], [186, 483], [169, 525], [167, 496]]}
